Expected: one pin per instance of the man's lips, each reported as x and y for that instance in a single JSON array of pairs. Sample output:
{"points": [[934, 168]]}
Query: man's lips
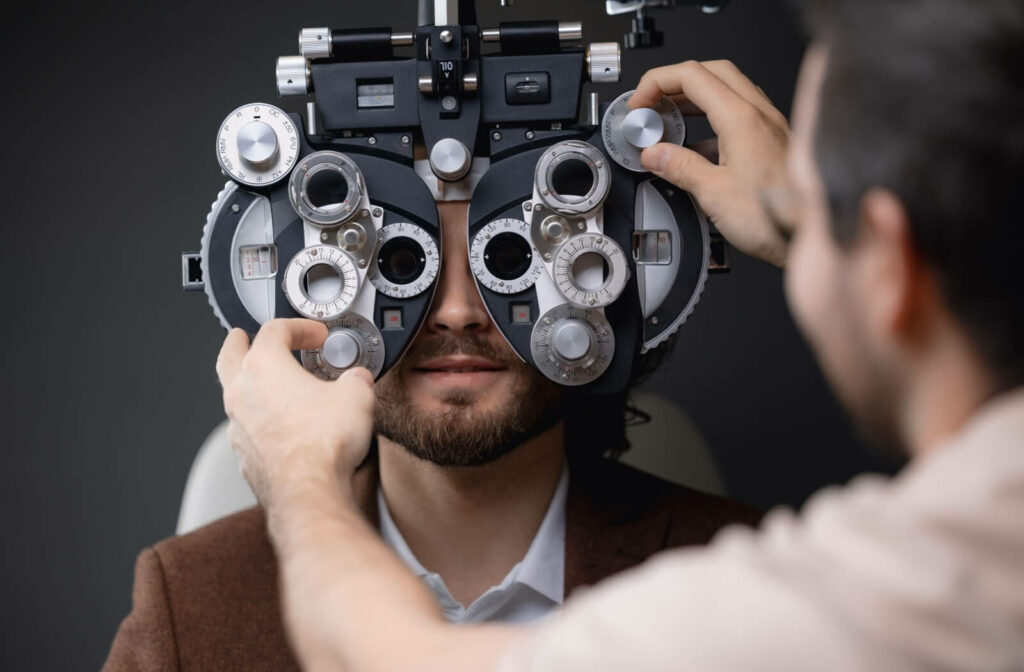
{"points": [[459, 364]]}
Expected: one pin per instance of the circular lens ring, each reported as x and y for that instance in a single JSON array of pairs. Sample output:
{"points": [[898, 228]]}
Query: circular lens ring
{"points": [[306, 175], [555, 160], [294, 282], [481, 266], [564, 265], [401, 260], [405, 237], [508, 256]]}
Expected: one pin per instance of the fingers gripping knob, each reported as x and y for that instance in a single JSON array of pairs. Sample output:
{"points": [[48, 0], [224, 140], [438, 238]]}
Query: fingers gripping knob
{"points": [[627, 132], [342, 348], [643, 127], [572, 340]]}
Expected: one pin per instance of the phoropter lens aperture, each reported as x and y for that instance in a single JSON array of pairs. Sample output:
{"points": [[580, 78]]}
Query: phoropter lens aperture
{"points": [[508, 256], [322, 283], [327, 189], [572, 179], [401, 260]]}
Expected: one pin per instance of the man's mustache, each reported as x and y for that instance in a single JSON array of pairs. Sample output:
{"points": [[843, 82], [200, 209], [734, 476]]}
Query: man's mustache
{"points": [[423, 350]]}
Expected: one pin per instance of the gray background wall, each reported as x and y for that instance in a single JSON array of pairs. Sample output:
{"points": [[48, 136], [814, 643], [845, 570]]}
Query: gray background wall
{"points": [[109, 116]]}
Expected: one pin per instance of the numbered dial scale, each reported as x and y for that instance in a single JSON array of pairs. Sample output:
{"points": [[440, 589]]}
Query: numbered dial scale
{"points": [[579, 275], [626, 133], [572, 346], [257, 145], [407, 261], [321, 282], [502, 257], [352, 340]]}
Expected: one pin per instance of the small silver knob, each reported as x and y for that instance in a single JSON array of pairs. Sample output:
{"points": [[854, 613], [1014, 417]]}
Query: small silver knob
{"points": [[604, 62], [352, 238], [293, 76], [315, 43], [426, 84], [571, 340], [450, 159], [554, 229], [643, 127], [342, 348], [257, 144], [570, 31]]}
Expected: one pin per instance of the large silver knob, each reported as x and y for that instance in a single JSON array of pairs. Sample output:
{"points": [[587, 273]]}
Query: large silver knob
{"points": [[293, 77], [315, 43], [342, 348], [257, 144], [572, 340], [643, 127], [604, 62], [450, 159]]}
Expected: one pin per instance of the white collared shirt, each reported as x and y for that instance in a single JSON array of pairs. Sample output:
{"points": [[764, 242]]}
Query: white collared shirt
{"points": [[531, 589]]}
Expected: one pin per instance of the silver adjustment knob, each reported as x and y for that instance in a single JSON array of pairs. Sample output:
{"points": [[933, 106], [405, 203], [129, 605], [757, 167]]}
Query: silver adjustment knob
{"points": [[604, 62], [293, 76], [342, 348], [315, 43], [450, 159], [571, 340], [572, 346], [352, 340], [643, 127], [627, 132], [257, 144]]}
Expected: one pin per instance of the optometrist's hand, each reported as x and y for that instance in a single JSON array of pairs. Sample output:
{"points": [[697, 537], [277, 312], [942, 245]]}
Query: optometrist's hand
{"points": [[727, 174], [287, 425]]}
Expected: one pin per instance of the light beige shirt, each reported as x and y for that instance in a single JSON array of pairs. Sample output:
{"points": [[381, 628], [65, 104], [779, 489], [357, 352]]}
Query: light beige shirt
{"points": [[921, 572]]}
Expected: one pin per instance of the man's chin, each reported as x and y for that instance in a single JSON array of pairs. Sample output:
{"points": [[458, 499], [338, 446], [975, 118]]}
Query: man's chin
{"points": [[465, 427]]}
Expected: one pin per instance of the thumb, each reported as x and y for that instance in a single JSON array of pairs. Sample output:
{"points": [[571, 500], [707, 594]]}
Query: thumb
{"points": [[355, 386], [357, 373], [681, 166]]}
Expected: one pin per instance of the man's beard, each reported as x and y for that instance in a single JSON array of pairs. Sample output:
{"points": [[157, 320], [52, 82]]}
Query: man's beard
{"points": [[463, 436]]}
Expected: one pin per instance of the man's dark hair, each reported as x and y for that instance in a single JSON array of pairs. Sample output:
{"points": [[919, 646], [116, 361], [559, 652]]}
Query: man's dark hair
{"points": [[926, 98]]}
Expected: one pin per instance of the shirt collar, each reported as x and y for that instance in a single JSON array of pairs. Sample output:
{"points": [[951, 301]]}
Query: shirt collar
{"points": [[541, 569]]}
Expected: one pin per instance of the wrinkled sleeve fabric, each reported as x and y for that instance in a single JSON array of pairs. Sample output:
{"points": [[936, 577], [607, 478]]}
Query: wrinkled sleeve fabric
{"points": [[145, 640], [920, 574]]}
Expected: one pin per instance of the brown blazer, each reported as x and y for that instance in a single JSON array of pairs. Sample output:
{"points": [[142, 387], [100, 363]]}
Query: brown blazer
{"points": [[208, 600]]}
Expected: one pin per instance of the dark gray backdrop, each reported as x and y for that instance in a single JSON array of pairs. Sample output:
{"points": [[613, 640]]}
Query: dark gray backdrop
{"points": [[109, 120]]}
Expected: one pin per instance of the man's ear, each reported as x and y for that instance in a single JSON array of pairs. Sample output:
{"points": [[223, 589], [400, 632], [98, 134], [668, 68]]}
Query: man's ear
{"points": [[893, 276]]}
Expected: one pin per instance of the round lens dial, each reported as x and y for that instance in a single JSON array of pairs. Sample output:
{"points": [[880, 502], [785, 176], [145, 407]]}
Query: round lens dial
{"points": [[321, 282], [502, 257], [590, 270], [352, 340], [407, 261], [257, 145]]}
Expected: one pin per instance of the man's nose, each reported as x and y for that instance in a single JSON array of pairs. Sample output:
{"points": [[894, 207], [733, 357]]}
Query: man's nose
{"points": [[457, 306]]}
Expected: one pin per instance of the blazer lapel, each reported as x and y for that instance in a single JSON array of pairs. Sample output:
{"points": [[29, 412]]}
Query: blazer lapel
{"points": [[606, 530]]}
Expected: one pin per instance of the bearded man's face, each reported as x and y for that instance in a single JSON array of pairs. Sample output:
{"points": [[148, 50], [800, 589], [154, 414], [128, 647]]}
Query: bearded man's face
{"points": [[460, 396]]}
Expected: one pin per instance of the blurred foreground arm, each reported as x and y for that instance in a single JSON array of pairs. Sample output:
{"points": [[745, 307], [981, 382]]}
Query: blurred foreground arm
{"points": [[726, 175], [349, 602]]}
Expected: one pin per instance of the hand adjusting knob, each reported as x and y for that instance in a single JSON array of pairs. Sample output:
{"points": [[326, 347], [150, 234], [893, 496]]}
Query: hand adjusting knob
{"points": [[572, 340], [342, 348], [643, 127]]}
